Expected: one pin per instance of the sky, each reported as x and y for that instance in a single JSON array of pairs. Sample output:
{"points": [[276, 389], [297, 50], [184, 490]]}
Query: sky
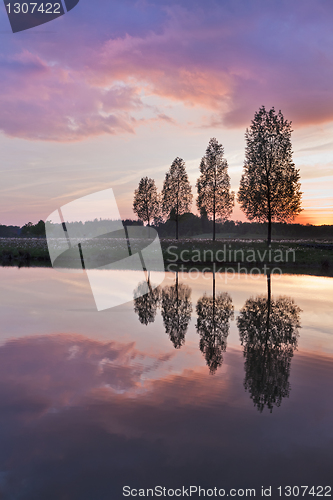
{"points": [[114, 91]]}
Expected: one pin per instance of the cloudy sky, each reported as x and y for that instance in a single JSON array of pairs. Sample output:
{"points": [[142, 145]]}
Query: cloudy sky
{"points": [[113, 91]]}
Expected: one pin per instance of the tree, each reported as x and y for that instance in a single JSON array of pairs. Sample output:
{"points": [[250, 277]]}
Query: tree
{"points": [[34, 230], [146, 202], [176, 311], [146, 304], [205, 222], [269, 187], [176, 192], [213, 185], [269, 333], [212, 325]]}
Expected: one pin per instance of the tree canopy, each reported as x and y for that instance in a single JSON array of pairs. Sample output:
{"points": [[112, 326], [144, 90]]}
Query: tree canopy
{"points": [[146, 202], [213, 185], [176, 193], [213, 316], [268, 331], [176, 311], [146, 304], [34, 230], [269, 187]]}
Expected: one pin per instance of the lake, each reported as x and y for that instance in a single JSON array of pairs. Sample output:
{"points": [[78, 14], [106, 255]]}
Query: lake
{"points": [[224, 384]]}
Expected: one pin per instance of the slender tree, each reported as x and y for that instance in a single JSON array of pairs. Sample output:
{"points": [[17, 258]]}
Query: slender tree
{"points": [[213, 316], [176, 193], [176, 311], [269, 188], [213, 185], [146, 202], [146, 304]]}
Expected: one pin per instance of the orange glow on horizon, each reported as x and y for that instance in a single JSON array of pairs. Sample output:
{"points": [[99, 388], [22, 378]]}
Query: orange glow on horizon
{"points": [[314, 218]]}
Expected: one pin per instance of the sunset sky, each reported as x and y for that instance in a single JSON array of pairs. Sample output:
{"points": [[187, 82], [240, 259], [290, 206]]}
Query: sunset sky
{"points": [[114, 91]]}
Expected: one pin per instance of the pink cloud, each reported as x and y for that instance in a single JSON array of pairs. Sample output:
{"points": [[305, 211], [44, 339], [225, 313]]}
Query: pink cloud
{"points": [[64, 369], [62, 439], [227, 59]]}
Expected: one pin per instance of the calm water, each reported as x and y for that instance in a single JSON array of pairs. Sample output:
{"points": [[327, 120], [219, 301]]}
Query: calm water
{"points": [[225, 388]]}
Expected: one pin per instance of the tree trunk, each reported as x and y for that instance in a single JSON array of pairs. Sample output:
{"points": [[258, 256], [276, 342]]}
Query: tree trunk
{"points": [[177, 301], [177, 211], [268, 305], [269, 288], [214, 302], [269, 239], [214, 204], [148, 226], [214, 216]]}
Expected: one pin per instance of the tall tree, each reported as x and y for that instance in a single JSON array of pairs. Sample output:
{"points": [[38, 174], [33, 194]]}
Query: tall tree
{"points": [[176, 192], [269, 188], [268, 331], [214, 313], [146, 202], [146, 304], [213, 185], [176, 311]]}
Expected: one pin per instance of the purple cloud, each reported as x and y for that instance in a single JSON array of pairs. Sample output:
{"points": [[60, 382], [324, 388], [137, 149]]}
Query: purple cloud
{"points": [[226, 58], [62, 435]]}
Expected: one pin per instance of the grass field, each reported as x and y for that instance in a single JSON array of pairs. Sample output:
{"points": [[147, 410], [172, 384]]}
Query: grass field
{"points": [[292, 256]]}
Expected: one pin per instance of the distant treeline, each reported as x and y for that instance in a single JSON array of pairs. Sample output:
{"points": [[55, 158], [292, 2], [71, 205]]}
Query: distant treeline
{"points": [[190, 225], [29, 230], [9, 231], [193, 225]]}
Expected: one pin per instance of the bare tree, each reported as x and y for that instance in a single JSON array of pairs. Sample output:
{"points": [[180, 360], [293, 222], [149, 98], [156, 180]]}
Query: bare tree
{"points": [[269, 188], [146, 202], [213, 185]]}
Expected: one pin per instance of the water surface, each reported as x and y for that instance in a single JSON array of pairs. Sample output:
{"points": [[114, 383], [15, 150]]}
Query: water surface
{"points": [[226, 386]]}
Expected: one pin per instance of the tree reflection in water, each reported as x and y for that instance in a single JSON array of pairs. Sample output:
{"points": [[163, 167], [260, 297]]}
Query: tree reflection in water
{"points": [[146, 305], [213, 315], [268, 331], [176, 311]]}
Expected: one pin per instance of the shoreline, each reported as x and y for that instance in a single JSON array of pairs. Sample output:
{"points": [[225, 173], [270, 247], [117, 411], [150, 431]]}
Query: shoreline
{"points": [[291, 256]]}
